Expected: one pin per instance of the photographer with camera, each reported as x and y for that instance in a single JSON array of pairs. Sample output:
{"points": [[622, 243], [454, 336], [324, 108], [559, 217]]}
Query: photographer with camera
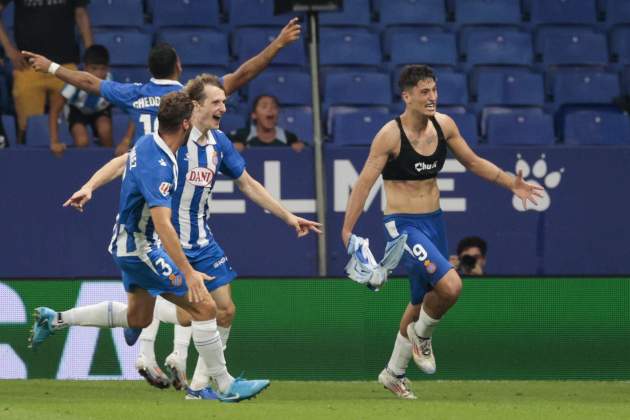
{"points": [[471, 256]]}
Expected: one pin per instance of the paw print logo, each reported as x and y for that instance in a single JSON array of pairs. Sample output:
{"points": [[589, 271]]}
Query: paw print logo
{"points": [[542, 177]]}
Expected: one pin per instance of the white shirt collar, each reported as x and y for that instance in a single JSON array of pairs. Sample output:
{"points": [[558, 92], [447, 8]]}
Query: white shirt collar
{"points": [[162, 145], [196, 134], [165, 82]]}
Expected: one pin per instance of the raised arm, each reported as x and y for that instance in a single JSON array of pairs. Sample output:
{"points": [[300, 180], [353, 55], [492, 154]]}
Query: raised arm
{"points": [[110, 171], [81, 79], [82, 18], [252, 67], [484, 168], [259, 195], [382, 148]]}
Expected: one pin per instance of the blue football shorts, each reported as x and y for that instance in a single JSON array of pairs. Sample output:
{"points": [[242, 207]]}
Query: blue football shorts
{"points": [[426, 252]]}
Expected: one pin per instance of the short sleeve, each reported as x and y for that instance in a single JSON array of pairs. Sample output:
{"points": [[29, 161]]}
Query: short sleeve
{"points": [[68, 91], [119, 94], [232, 164], [155, 181]]}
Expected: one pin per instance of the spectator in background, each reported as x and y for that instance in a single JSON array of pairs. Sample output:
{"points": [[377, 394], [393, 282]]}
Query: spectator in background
{"points": [[84, 109], [45, 27], [3, 136], [471, 256], [264, 129]]}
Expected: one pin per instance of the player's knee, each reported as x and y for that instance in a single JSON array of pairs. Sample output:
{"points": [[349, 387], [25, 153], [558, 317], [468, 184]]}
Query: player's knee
{"points": [[139, 320], [203, 311], [81, 140], [452, 287], [225, 315]]}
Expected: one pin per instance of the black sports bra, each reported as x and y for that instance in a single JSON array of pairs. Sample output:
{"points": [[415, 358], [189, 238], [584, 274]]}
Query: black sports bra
{"points": [[410, 165]]}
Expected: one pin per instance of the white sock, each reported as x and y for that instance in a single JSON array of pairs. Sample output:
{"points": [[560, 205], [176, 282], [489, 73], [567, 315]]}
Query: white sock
{"points": [[147, 339], [181, 340], [200, 379], [224, 332], [425, 325], [165, 311], [208, 344], [401, 355], [105, 315]]}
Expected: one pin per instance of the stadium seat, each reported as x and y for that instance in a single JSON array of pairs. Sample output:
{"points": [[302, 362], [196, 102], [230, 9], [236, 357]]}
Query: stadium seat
{"points": [[358, 128], [186, 13], [120, 123], [487, 11], [517, 128], [250, 41], [198, 46], [130, 74], [126, 48], [354, 13], [8, 122], [255, 13], [617, 11], [573, 48], [352, 46], [596, 127], [502, 110], [563, 11], [357, 88], [298, 120], [116, 13], [625, 80], [498, 46], [290, 87], [452, 89], [411, 12], [432, 48], [545, 32], [467, 124], [38, 135], [585, 86], [418, 31], [620, 44], [232, 121], [498, 86]]}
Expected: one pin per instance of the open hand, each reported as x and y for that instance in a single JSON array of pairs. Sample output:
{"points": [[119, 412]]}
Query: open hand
{"points": [[525, 190], [290, 33]]}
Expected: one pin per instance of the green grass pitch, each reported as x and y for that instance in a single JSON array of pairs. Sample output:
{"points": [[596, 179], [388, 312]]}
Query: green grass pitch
{"points": [[134, 400]]}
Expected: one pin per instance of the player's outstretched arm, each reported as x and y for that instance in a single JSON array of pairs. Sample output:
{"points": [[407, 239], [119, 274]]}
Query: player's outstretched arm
{"points": [[483, 167], [81, 79], [197, 291], [252, 67], [109, 172], [382, 147], [259, 195]]}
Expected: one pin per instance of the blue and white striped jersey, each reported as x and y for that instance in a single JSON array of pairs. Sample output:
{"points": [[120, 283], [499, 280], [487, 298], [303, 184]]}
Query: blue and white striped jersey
{"points": [[140, 101], [198, 166], [87, 103], [149, 181]]}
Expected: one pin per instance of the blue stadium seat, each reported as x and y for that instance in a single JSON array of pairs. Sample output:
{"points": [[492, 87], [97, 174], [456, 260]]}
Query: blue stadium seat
{"points": [[411, 12], [487, 111], [358, 128], [545, 32], [432, 48], [617, 11], [487, 11], [126, 48], [452, 89], [498, 86], [520, 129], [131, 74], [8, 122], [186, 13], [38, 135], [198, 46], [116, 13], [575, 49], [120, 123], [498, 46], [357, 88], [191, 71], [418, 31], [467, 124], [620, 44], [352, 46], [250, 41], [625, 80], [255, 13], [290, 87], [563, 11], [598, 127], [585, 86], [354, 13], [299, 120], [7, 15], [232, 121]]}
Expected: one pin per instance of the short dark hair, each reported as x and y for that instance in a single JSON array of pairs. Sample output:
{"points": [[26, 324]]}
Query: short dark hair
{"points": [[412, 74], [264, 95], [97, 55], [175, 107], [470, 242], [195, 87], [162, 61]]}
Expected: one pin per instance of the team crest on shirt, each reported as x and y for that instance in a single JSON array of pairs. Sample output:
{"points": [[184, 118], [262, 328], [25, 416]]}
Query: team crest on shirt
{"points": [[165, 188], [430, 266], [200, 176]]}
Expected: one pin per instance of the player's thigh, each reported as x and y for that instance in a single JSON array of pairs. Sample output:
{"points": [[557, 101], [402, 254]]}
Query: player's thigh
{"points": [[449, 286], [140, 304], [199, 311], [223, 298]]}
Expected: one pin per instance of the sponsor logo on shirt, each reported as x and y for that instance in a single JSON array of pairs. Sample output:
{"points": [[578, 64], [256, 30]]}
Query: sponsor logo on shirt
{"points": [[421, 166], [200, 176]]}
